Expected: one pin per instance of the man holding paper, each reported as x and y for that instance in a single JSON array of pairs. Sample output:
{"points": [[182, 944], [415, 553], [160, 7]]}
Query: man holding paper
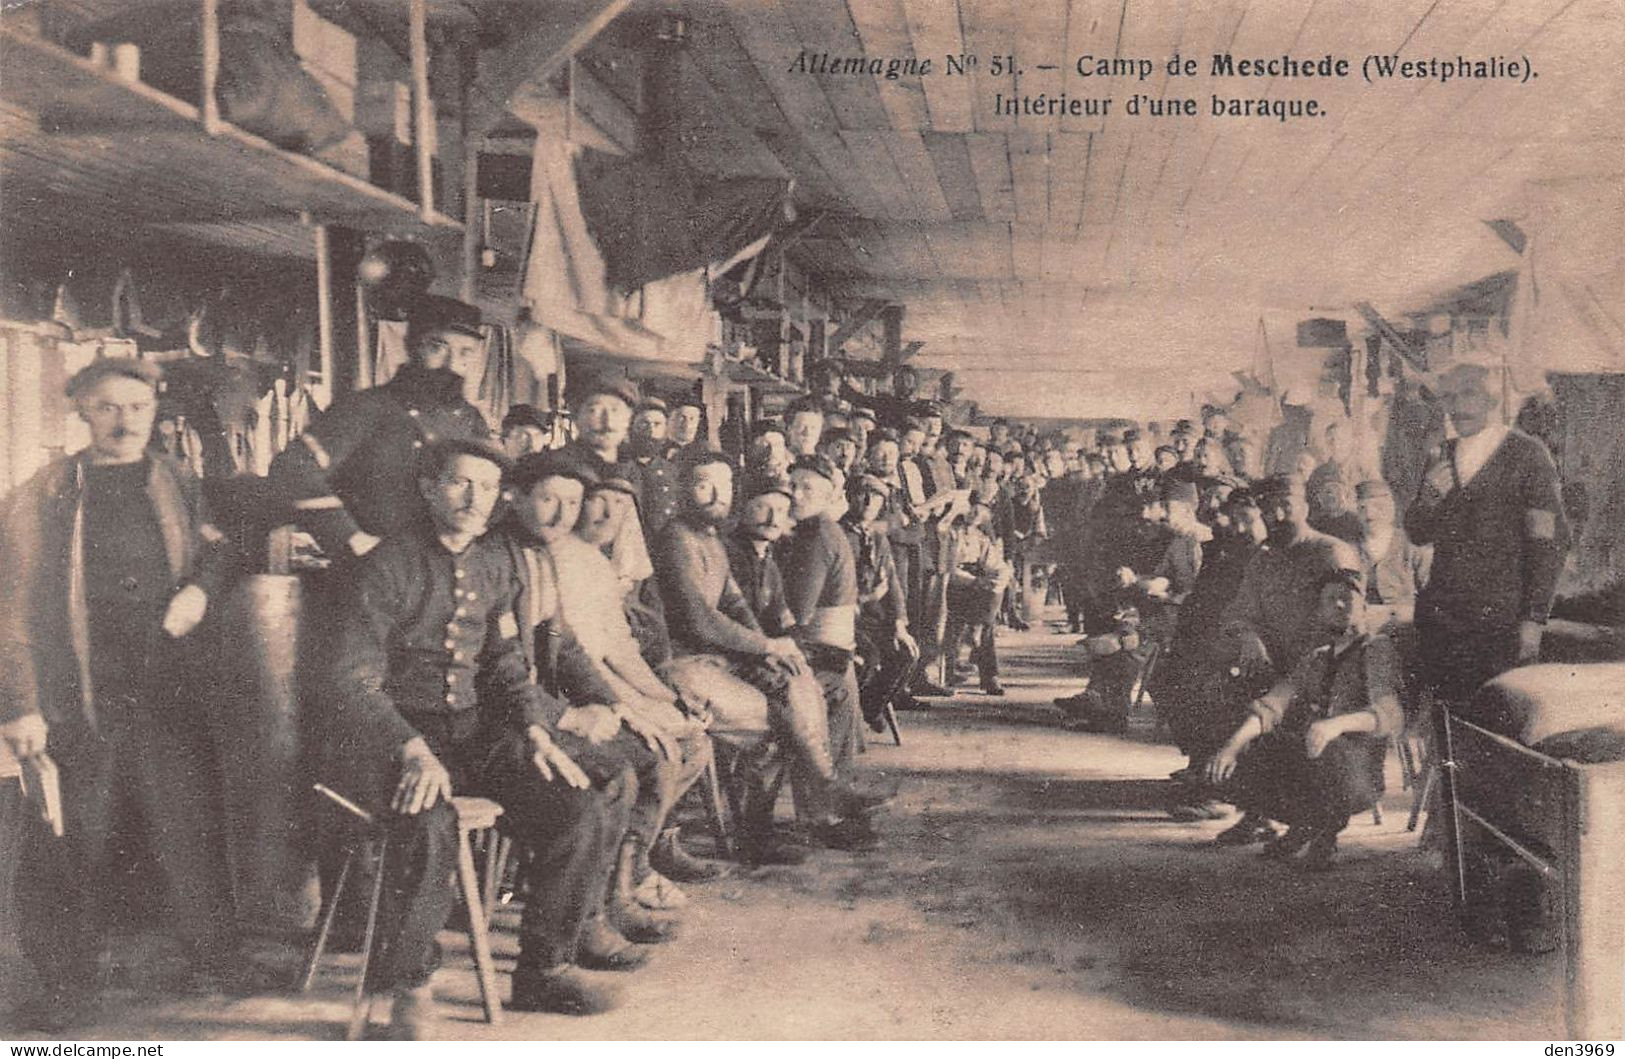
{"points": [[111, 564]]}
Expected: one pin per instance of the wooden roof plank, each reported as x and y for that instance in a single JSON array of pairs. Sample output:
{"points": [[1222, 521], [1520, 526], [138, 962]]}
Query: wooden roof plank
{"points": [[990, 162], [825, 27], [951, 158], [882, 27], [990, 35], [935, 33], [909, 154], [1029, 174]]}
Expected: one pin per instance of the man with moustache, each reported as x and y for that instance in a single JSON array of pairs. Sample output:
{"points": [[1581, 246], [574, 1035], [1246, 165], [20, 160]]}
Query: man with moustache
{"points": [[725, 660], [430, 694], [349, 477], [649, 449], [1270, 624], [111, 564], [1491, 505], [572, 590]]}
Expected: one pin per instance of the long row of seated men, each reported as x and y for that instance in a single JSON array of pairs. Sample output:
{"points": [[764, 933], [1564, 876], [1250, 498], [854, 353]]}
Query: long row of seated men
{"points": [[576, 634]]}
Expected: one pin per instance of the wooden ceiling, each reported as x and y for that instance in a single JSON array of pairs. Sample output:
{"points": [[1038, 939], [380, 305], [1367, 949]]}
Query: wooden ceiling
{"points": [[1108, 265]]}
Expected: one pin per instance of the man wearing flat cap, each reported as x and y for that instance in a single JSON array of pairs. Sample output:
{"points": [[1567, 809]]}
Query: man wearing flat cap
{"points": [[1271, 622], [349, 477], [886, 647], [111, 564], [820, 583], [429, 695]]}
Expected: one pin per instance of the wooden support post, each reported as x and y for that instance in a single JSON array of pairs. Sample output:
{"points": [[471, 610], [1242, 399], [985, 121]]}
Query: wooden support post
{"points": [[210, 37], [324, 313], [473, 230], [422, 105]]}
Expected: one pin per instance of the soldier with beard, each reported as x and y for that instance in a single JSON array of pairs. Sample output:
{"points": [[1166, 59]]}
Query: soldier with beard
{"points": [[349, 477], [650, 451], [726, 661], [1270, 624]]}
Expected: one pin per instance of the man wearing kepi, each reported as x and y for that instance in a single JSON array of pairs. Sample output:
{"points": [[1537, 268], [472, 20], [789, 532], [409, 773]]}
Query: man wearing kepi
{"points": [[110, 565], [430, 694], [350, 476]]}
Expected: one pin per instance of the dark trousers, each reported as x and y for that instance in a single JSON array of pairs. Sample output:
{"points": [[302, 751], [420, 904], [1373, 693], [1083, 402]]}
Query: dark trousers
{"points": [[886, 669], [571, 835], [144, 781], [1277, 779]]}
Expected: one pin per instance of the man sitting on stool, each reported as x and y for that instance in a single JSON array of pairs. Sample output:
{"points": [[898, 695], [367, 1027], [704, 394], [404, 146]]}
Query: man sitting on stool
{"points": [[431, 618]]}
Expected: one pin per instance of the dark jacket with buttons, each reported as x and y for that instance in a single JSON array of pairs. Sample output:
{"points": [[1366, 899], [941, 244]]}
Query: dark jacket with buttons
{"points": [[429, 639], [355, 467]]}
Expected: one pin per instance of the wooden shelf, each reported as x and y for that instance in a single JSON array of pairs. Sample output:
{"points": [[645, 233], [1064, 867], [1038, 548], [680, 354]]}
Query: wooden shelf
{"points": [[127, 152]]}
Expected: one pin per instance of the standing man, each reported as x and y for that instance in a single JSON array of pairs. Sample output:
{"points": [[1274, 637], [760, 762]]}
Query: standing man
{"points": [[887, 647], [1491, 505], [685, 428], [110, 566], [430, 694], [650, 449], [350, 476]]}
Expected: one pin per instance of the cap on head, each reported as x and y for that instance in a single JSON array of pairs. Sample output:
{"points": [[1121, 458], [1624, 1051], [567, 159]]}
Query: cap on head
{"points": [[819, 465], [1179, 491], [432, 314], [618, 386], [1278, 487], [526, 415], [864, 484], [533, 467], [652, 403], [114, 367], [756, 485]]}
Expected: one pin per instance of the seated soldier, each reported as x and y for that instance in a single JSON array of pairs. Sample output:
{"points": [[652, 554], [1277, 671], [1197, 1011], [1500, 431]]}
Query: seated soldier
{"points": [[820, 585], [1310, 753], [750, 681], [887, 652], [975, 588], [573, 592], [430, 692]]}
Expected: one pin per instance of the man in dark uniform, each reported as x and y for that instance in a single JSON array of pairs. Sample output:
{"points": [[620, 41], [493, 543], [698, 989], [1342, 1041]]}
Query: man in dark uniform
{"points": [[350, 481], [686, 427], [349, 477], [650, 450], [110, 565], [889, 653], [430, 693]]}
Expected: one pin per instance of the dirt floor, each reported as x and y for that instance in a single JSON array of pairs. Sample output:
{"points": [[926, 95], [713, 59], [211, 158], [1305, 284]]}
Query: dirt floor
{"points": [[1029, 887]]}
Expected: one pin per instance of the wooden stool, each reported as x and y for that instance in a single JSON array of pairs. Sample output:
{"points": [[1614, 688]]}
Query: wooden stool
{"points": [[889, 712], [474, 816]]}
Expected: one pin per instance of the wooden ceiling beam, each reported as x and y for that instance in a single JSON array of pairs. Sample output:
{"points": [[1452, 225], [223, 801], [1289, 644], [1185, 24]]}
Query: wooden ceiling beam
{"points": [[860, 319], [536, 54]]}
